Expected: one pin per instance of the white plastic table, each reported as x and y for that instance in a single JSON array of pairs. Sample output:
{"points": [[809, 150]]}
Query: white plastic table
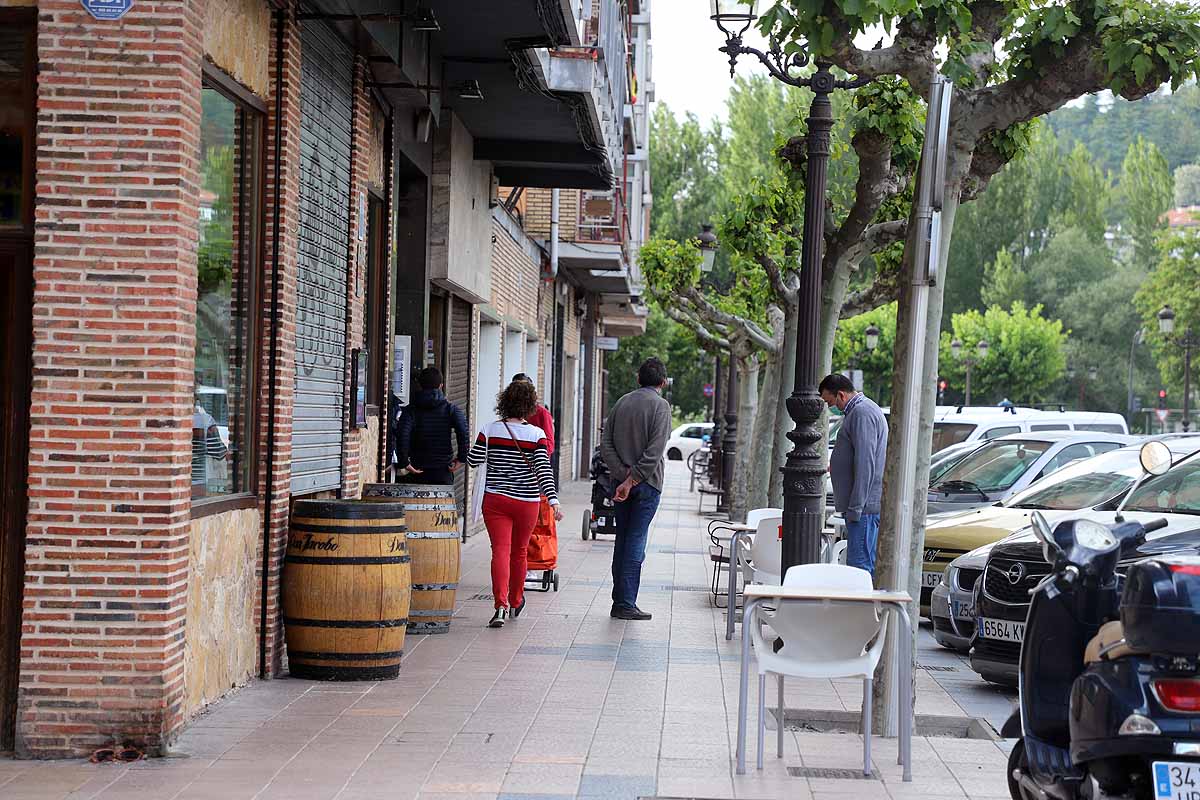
{"points": [[897, 603]]}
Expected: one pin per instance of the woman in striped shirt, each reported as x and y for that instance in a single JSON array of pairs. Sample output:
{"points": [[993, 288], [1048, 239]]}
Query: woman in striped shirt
{"points": [[518, 475]]}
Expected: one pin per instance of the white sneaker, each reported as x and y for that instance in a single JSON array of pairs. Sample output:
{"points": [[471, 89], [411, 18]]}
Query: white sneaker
{"points": [[498, 618]]}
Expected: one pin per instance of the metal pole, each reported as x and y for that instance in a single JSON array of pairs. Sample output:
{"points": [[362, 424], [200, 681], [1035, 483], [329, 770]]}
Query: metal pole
{"points": [[1133, 343], [967, 399], [1188, 341], [803, 495], [715, 476], [729, 441]]}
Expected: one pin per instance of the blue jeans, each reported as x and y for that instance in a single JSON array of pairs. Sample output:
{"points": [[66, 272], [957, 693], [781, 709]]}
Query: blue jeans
{"points": [[861, 539], [633, 526]]}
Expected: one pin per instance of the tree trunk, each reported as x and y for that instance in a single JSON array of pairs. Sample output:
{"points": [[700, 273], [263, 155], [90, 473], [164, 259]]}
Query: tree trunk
{"points": [[783, 422], [747, 365], [764, 461], [888, 557]]}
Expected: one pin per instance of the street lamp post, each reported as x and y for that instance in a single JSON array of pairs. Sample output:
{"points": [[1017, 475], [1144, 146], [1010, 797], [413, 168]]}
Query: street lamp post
{"points": [[1166, 326], [871, 340], [804, 470], [1138, 338], [956, 350]]}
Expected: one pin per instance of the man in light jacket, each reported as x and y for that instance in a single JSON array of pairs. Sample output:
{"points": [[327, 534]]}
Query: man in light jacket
{"points": [[856, 467], [635, 436]]}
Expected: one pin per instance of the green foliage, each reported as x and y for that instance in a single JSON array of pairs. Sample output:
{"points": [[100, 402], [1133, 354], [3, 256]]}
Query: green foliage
{"points": [[687, 365], [214, 259], [1108, 126], [1088, 195], [1175, 282], [685, 162], [850, 350], [1147, 191], [1187, 185], [1025, 358], [1004, 282]]}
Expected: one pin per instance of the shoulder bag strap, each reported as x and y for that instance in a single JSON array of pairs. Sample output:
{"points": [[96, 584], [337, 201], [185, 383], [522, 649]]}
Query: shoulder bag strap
{"points": [[528, 463]]}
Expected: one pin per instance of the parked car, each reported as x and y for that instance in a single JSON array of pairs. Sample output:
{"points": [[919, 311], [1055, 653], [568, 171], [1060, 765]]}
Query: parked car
{"points": [[1016, 564], [687, 439], [1005, 466], [956, 546]]}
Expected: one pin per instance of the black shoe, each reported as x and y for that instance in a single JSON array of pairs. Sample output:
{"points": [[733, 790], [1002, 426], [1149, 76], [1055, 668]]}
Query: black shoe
{"points": [[516, 612], [634, 613], [498, 618]]}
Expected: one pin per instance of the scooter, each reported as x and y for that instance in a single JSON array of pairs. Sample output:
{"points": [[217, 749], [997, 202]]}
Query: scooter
{"points": [[1110, 667]]}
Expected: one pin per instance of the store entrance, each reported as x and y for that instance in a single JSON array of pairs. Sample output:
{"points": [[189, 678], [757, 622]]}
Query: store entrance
{"points": [[18, 89]]}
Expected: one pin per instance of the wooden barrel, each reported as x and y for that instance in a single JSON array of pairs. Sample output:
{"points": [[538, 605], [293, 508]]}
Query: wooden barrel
{"points": [[433, 542], [347, 586]]}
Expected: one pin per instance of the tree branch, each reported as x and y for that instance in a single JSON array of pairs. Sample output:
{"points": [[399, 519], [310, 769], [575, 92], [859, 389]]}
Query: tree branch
{"points": [[694, 325], [876, 182], [886, 286], [911, 54], [774, 276]]}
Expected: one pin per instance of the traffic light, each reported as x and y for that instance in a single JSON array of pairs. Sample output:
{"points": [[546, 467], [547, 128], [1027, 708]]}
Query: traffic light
{"points": [[1162, 398]]}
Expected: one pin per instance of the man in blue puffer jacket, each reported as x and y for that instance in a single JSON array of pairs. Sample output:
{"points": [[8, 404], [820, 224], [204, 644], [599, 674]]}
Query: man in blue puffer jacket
{"points": [[425, 452]]}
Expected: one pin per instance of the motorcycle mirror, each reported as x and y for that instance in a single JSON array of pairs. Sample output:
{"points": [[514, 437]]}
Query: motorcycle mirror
{"points": [[1155, 457], [1041, 529]]}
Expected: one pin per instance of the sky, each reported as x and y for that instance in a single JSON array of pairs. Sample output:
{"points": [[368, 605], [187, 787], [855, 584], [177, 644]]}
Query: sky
{"points": [[689, 73]]}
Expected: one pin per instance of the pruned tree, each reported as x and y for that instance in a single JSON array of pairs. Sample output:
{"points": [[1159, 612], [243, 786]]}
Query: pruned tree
{"points": [[1011, 61]]}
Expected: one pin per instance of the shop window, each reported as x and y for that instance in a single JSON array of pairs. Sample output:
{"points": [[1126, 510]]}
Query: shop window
{"points": [[17, 84], [227, 269]]}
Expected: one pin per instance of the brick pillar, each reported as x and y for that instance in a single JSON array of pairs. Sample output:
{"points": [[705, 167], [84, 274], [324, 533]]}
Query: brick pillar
{"points": [[279, 322], [360, 161], [114, 304]]}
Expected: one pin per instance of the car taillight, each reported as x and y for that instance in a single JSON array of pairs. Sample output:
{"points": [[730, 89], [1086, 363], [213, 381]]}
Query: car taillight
{"points": [[1178, 695], [1185, 569]]}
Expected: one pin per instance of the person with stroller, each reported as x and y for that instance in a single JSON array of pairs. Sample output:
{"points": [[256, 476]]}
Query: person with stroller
{"points": [[518, 475]]}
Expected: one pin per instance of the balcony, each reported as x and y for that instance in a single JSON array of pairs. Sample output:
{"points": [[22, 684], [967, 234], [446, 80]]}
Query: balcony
{"points": [[601, 217]]}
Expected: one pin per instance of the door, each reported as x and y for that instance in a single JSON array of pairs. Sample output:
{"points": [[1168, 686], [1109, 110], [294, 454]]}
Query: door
{"points": [[458, 377], [18, 89]]}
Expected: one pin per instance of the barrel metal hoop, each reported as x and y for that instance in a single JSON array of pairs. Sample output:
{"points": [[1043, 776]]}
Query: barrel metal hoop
{"points": [[346, 623], [343, 509], [334, 656], [335, 562], [433, 587], [433, 535], [306, 527]]}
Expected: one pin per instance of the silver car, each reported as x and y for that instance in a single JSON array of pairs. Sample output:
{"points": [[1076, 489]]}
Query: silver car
{"points": [[1005, 466]]}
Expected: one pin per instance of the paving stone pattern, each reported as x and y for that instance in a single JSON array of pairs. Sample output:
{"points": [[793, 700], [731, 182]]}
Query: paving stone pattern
{"points": [[563, 703]]}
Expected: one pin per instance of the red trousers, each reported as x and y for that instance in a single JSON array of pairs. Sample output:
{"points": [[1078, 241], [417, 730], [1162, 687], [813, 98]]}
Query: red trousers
{"points": [[509, 525]]}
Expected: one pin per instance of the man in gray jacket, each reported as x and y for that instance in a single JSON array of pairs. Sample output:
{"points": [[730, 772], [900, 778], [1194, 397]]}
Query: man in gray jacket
{"points": [[635, 436], [856, 467]]}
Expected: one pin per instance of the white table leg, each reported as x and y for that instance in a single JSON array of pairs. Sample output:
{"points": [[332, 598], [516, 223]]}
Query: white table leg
{"points": [[744, 685]]}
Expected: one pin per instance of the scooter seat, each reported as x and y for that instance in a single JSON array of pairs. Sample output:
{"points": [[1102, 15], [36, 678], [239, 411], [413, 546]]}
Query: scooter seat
{"points": [[1108, 644]]}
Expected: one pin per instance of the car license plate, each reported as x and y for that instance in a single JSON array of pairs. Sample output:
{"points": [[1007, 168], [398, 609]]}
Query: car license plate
{"points": [[1176, 780], [599, 522], [962, 610], [1004, 630], [930, 579]]}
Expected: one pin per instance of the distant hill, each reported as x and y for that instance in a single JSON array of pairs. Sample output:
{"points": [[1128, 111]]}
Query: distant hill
{"points": [[1171, 121]]}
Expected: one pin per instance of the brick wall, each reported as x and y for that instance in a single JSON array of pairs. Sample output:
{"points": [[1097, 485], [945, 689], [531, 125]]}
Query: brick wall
{"points": [[360, 163], [116, 230], [277, 396], [537, 213]]}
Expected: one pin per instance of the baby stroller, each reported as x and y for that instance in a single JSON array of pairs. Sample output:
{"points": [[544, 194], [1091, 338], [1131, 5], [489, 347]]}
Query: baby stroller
{"points": [[602, 516]]}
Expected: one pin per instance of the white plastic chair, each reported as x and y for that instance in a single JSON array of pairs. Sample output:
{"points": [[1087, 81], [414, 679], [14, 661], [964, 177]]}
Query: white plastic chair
{"points": [[821, 641], [721, 533], [760, 559]]}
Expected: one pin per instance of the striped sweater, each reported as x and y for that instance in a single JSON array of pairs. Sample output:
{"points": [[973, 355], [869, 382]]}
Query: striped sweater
{"points": [[507, 473]]}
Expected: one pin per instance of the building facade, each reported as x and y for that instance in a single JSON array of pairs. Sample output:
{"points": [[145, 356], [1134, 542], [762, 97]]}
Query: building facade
{"points": [[230, 230]]}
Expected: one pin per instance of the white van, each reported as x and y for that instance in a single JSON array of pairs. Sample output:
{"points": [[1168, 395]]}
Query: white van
{"points": [[953, 424]]}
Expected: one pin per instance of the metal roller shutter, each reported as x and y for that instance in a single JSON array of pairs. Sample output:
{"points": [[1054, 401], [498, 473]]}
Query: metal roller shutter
{"points": [[326, 101], [458, 375]]}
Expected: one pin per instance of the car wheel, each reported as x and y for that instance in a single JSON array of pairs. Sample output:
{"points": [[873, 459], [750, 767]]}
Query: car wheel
{"points": [[674, 455]]}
